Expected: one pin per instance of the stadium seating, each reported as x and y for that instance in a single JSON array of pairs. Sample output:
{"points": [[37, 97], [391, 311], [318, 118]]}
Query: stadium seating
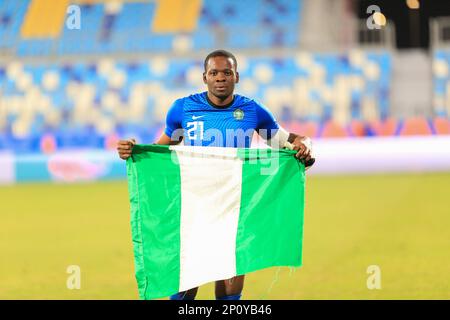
{"points": [[387, 127], [82, 100], [441, 82], [85, 103], [11, 18], [136, 26], [416, 126], [441, 125]]}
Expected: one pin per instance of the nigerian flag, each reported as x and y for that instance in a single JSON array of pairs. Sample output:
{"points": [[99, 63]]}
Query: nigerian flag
{"points": [[200, 214]]}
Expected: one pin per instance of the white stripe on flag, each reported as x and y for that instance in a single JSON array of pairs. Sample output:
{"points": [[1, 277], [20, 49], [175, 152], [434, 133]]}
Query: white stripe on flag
{"points": [[210, 206]]}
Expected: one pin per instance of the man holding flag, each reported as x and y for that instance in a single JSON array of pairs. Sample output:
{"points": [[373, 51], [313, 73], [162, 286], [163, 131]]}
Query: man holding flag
{"points": [[220, 118]]}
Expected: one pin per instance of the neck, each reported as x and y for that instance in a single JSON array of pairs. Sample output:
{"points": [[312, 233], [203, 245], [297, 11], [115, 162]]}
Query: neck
{"points": [[218, 101]]}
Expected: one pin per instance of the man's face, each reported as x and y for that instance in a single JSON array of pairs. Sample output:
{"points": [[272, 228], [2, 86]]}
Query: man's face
{"points": [[221, 76]]}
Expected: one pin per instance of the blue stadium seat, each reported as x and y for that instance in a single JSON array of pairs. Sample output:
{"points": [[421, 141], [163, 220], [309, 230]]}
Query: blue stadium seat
{"points": [[107, 109], [275, 23]]}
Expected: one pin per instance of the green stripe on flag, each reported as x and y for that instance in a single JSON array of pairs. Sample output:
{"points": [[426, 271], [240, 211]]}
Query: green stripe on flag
{"points": [[270, 229], [205, 214], [155, 205]]}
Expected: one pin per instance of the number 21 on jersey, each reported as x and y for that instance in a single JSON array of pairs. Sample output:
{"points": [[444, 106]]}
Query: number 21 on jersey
{"points": [[195, 130]]}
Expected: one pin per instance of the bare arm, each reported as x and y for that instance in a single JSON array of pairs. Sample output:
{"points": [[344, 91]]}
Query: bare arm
{"points": [[166, 140]]}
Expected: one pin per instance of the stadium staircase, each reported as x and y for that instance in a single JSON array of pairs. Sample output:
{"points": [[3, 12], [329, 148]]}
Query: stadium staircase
{"points": [[411, 83]]}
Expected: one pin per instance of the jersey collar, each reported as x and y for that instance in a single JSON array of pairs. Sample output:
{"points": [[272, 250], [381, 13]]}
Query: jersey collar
{"points": [[215, 106]]}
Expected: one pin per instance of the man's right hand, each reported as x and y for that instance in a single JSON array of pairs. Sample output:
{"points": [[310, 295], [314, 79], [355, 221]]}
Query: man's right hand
{"points": [[124, 148]]}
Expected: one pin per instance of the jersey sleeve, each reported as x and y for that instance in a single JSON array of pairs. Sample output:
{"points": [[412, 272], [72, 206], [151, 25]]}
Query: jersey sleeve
{"points": [[174, 117], [265, 121]]}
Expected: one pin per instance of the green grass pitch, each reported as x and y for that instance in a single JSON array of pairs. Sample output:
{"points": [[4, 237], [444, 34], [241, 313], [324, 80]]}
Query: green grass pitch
{"points": [[400, 223]]}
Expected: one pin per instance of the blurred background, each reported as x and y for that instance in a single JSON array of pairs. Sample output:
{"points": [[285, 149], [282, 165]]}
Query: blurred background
{"points": [[369, 81]]}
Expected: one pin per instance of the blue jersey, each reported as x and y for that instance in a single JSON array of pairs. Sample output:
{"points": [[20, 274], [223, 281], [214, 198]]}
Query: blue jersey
{"points": [[201, 123]]}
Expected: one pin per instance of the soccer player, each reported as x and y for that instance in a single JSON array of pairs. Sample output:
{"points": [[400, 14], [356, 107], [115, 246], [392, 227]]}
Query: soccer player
{"points": [[212, 118]]}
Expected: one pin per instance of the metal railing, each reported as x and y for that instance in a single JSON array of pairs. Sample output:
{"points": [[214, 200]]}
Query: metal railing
{"points": [[440, 32], [384, 36]]}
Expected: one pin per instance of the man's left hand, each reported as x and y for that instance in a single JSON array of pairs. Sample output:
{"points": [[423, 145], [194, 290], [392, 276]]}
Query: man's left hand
{"points": [[304, 147]]}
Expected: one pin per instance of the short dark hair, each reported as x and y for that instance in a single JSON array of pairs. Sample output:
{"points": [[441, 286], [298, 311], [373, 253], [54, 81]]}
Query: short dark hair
{"points": [[220, 53]]}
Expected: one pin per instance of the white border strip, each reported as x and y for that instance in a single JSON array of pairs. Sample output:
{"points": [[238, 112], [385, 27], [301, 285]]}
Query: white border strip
{"points": [[381, 155], [7, 168]]}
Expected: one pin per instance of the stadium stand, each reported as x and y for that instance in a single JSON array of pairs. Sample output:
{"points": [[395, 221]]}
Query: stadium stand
{"points": [[441, 82], [100, 98], [46, 105], [138, 26]]}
